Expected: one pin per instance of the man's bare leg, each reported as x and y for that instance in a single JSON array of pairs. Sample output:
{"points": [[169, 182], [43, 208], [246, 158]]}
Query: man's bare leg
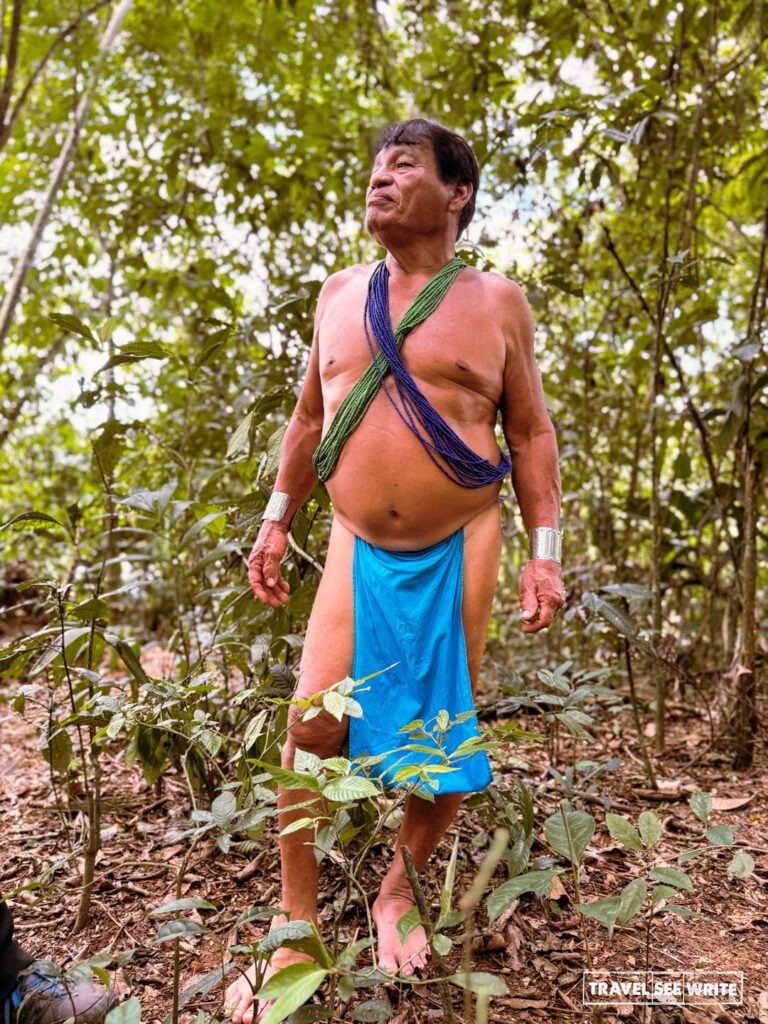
{"points": [[326, 659], [425, 823]]}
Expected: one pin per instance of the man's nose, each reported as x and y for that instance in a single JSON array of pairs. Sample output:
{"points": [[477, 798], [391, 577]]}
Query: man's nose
{"points": [[380, 178]]}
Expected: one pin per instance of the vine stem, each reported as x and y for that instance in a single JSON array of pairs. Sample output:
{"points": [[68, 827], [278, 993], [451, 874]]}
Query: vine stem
{"points": [[443, 987]]}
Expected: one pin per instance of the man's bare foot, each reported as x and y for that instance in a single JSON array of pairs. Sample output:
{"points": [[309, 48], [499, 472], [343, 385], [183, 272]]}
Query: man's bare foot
{"points": [[396, 956], [239, 1002]]}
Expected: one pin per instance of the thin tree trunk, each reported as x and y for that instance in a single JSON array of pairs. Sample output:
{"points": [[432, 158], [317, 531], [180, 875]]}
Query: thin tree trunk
{"points": [[745, 698], [58, 175]]}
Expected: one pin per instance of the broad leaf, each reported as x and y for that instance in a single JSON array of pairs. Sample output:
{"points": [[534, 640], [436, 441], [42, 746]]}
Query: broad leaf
{"points": [[701, 805], [569, 833], [623, 832], [290, 988], [187, 903], [178, 929], [720, 835], [631, 899], [671, 876], [742, 865], [537, 882], [408, 923], [354, 787], [606, 911], [650, 828]]}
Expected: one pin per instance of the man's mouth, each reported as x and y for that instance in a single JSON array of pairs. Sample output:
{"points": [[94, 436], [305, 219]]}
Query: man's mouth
{"points": [[377, 199]]}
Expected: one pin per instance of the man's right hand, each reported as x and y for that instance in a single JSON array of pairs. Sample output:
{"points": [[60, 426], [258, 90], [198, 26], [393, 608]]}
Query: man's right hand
{"points": [[264, 565]]}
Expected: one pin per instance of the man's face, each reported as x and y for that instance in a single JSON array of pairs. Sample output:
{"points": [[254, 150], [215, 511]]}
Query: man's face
{"points": [[406, 195]]}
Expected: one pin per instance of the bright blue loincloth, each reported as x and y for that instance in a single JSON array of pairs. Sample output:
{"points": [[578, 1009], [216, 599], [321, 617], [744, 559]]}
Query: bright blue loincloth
{"points": [[407, 607]]}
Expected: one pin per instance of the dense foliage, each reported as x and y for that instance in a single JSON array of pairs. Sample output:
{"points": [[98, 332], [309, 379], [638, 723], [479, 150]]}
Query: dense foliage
{"points": [[176, 182]]}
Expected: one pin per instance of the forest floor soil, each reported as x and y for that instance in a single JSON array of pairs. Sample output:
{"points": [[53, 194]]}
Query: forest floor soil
{"points": [[537, 948]]}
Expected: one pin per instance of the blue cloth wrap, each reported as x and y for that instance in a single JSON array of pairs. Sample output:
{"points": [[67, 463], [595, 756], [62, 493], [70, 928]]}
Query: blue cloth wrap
{"points": [[407, 608]]}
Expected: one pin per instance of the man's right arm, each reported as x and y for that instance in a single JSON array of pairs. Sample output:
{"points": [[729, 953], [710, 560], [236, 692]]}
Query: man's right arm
{"points": [[295, 477]]}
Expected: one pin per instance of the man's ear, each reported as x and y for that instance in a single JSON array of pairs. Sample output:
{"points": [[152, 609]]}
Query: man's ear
{"points": [[462, 193]]}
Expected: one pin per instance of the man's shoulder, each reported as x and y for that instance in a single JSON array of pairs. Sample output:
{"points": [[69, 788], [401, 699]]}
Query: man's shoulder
{"points": [[499, 298], [494, 285], [341, 279]]}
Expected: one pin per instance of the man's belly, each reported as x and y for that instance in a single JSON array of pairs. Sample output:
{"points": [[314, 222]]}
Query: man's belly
{"points": [[387, 490]]}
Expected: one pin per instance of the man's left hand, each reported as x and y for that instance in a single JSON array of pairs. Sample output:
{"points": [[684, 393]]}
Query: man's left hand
{"points": [[542, 592]]}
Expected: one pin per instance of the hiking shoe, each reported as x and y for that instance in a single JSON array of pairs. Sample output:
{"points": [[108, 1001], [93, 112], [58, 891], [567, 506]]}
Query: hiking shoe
{"points": [[46, 998]]}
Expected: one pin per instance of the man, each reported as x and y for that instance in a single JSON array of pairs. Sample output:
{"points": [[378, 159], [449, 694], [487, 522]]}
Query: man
{"points": [[412, 466], [41, 997]]}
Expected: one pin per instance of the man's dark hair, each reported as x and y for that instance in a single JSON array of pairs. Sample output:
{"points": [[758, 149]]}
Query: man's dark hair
{"points": [[455, 160]]}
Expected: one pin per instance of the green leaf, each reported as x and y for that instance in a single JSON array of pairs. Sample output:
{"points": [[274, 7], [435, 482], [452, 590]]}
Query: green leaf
{"points": [[480, 982], [373, 1011], [683, 858], [128, 1012], [650, 828], [675, 908], [623, 832], [32, 517], [538, 882], [742, 865], [254, 729], [671, 876], [177, 929], [408, 924], [57, 750], [73, 324], [631, 899], [701, 805], [134, 353], [442, 944], [299, 935], [298, 825], [238, 442], [289, 931], [526, 807], [446, 893], [288, 779], [720, 835], [290, 987], [187, 903], [354, 787], [93, 608], [662, 892], [334, 703], [569, 833], [606, 911], [224, 808]]}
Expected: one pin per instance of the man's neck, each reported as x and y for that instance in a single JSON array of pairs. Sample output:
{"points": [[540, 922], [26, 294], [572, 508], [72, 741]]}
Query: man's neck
{"points": [[418, 261]]}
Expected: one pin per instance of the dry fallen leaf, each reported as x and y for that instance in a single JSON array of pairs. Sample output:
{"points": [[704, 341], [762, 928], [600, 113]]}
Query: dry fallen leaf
{"points": [[557, 890], [730, 803], [517, 1003], [694, 1017]]}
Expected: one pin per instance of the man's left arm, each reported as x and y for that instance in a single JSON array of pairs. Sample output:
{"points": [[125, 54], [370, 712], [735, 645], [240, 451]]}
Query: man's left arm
{"points": [[535, 471]]}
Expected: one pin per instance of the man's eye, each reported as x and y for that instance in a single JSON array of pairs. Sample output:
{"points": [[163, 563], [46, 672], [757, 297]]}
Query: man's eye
{"points": [[403, 163]]}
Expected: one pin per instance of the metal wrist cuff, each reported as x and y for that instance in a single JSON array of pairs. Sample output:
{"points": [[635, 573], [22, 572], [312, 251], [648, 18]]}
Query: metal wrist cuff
{"points": [[546, 543], [277, 506]]}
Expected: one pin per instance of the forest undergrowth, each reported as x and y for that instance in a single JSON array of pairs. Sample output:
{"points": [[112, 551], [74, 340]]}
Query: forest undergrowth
{"points": [[591, 866]]}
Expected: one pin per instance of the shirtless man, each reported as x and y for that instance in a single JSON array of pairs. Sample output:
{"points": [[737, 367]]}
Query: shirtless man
{"points": [[471, 358]]}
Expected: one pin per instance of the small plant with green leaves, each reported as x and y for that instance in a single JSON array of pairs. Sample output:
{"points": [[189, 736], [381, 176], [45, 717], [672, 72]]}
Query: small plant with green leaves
{"points": [[564, 698], [717, 838], [663, 881]]}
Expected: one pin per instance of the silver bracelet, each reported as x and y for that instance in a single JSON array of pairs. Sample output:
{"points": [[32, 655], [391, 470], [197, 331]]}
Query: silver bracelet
{"points": [[277, 506], [546, 543]]}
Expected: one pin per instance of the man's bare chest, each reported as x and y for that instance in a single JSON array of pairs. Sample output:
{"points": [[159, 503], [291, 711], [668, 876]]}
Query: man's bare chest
{"points": [[454, 347]]}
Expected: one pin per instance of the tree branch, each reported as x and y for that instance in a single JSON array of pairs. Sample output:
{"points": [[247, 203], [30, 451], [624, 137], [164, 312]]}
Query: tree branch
{"points": [[13, 55], [58, 174], [7, 128]]}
